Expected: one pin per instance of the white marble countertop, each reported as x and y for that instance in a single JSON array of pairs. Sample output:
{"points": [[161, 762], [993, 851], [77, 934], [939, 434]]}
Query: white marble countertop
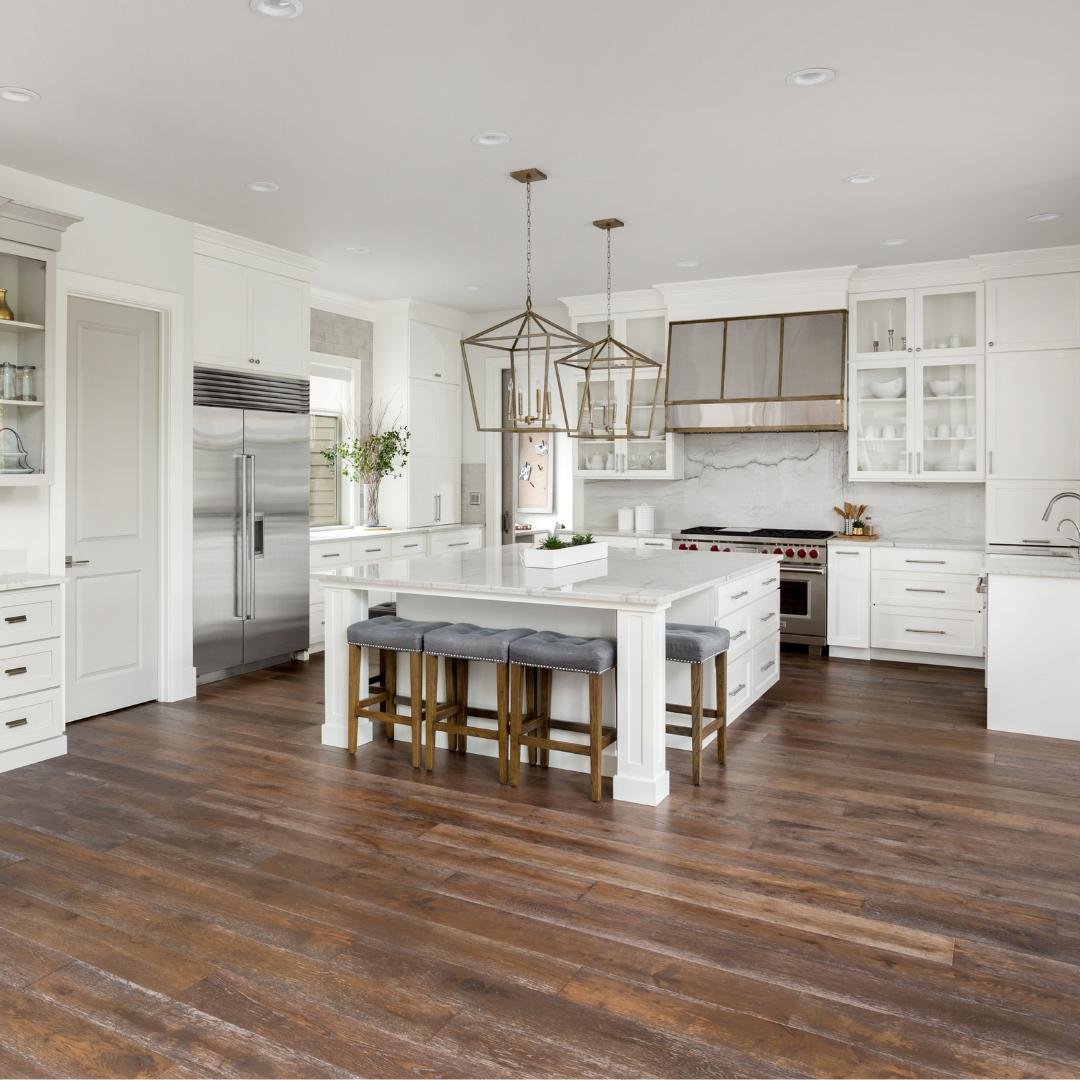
{"points": [[644, 578], [1034, 565], [652, 534], [337, 533], [912, 542], [27, 581]]}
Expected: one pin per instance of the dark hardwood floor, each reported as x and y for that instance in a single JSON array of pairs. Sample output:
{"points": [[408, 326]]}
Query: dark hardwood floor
{"points": [[874, 886]]}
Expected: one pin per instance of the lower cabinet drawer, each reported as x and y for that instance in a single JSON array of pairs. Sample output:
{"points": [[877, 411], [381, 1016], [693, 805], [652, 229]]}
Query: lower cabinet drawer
{"points": [[25, 669], [29, 614], [410, 544], [370, 550], [29, 718], [734, 595], [737, 624], [958, 633], [765, 665], [926, 560], [740, 684], [891, 587], [664, 545], [440, 544], [765, 617], [324, 555]]}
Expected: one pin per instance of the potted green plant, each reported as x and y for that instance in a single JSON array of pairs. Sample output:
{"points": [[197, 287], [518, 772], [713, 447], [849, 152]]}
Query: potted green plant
{"points": [[554, 552], [370, 457]]}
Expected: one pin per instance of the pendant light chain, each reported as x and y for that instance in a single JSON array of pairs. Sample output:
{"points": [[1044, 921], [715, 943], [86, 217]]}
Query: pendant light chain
{"points": [[608, 281], [528, 243]]}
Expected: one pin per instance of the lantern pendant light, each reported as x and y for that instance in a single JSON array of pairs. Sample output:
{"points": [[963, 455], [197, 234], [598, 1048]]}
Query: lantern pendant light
{"points": [[534, 343], [594, 370]]}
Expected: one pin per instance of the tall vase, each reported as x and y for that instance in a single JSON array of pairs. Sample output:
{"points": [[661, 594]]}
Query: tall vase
{"points": [[5, 312], [371, 504]]}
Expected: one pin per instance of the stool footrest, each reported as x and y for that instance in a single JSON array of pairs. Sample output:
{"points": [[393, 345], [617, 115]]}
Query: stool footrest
{"points": [[543, 743], [686, 710]]}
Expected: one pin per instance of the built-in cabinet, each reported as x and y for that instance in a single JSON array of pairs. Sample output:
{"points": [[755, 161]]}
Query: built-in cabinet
{"points": [[942, 321], [849, 596], [1038, 311]]}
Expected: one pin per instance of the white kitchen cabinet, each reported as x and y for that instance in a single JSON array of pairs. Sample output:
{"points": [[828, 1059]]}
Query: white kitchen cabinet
{"points": [[916, 418], [942, 321], [434, 490], [1014, 510], [434, 353], [849, 596], [1041, 311], [434, 419], [249, 318], [1034, 415], [630, 542]]}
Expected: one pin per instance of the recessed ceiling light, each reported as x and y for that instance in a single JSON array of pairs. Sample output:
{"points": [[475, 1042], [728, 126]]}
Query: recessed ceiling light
{"points": [[860, 178], [896, 241], [1044, 215], [812, 76], [491, 138], [472, 288], [18, 95], [357, 250], [262, 186], [687, 264], [277, 9]]}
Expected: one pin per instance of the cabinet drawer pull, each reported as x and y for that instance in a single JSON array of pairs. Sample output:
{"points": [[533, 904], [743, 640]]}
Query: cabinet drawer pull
{"points": [[738, 689], [927, 562], [847, 553], [459, 543], [912, 589], [1026, 541], [766, 618], [771, 663], [21, 722], [15, 671], [333, 555], [909, 630], [738, 634], [770, 581], [15, 618], [410, 545], [740, 595], [372, 551]]}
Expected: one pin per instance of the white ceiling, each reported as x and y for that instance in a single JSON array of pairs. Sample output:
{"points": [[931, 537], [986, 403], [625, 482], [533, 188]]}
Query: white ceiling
{"points": [[671, 115]]}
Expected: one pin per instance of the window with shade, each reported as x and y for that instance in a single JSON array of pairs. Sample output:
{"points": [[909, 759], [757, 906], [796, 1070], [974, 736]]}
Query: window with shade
{"points": [[332, 419], [325, 498]]}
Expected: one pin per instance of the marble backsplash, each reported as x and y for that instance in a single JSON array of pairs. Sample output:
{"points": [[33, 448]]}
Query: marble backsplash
{"points": [[791, 479]]}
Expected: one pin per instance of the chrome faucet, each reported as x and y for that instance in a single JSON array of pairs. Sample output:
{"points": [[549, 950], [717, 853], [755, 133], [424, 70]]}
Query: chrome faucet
{"points": [[1072, 522], [1057, 498]]}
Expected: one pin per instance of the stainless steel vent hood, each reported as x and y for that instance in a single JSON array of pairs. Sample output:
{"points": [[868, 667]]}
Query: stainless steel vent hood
{"points": [[758, 373]]}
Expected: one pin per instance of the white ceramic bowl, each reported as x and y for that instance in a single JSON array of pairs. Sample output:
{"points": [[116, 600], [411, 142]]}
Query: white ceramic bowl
{"points": [[888, 388], [944, 387]]}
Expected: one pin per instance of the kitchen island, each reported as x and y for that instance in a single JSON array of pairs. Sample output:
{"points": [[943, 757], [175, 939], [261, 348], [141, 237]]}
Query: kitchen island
{"points": [[628, 596]]}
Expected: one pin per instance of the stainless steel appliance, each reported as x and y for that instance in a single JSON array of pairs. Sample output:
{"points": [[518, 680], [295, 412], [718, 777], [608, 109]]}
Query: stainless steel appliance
{"points": [[804, 578], [252, 446]]}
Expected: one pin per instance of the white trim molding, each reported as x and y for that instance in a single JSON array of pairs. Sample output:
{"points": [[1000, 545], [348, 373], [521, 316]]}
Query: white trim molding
{"points": [[218, 244]]}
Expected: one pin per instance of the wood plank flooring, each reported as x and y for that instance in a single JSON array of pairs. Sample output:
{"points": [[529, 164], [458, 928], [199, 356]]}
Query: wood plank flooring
{"points": [[874, 886]]}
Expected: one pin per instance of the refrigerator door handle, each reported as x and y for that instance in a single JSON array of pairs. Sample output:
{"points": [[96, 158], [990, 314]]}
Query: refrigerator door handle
{"points": [[249, 550], [240, 578]]}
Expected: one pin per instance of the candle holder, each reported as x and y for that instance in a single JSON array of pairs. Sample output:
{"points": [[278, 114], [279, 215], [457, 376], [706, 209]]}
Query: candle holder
{"points": [[892, 342], [903, 343], [877, 345]]}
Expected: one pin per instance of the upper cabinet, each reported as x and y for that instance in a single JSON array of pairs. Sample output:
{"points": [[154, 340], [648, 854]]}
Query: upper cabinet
{"points": [[938, 322], [434, 353], [250, 318], [1041, 311]]}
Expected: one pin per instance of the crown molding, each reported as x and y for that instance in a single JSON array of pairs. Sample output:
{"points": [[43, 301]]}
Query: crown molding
{"points": [[219, 244], [25, 223], [343, 304], [1052, 260], [915, 275], [631, 301]]}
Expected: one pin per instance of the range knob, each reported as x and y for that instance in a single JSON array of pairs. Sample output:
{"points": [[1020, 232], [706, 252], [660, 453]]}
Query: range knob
{"points": [[693, 547], [777, 551], [790, 553], [682, 547], [764, 551], [813, 553], [802, 553], [727, 549], [715, 547]]}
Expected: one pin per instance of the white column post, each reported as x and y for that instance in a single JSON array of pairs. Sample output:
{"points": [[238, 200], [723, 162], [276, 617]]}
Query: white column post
{"points": [[642, 775], [343, 607]]}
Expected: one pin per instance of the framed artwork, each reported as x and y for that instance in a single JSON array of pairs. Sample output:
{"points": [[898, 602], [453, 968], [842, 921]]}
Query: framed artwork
{"points": [[535, 474]]}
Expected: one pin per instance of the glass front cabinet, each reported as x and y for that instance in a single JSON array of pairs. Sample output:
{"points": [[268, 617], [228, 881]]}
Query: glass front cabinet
{"points": [[937, 322], [917, 419], [628, 451]]}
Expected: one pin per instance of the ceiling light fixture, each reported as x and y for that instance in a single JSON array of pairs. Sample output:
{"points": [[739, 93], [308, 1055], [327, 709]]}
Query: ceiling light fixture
{"points": [[358, 250], [896, 241], [491, 138], [532, 342], [18, 95], [277, 9], [1044, 215], [472, 288], [262, 186], [599, 363], [687, 264], [860, 178], [811, 76]]}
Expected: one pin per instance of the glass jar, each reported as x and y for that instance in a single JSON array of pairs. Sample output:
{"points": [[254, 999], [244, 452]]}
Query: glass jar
{"points": [[7, 381], [24, 382]]}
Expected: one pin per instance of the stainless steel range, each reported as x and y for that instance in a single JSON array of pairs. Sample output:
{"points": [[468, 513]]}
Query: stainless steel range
{"points": [[804, 577]]}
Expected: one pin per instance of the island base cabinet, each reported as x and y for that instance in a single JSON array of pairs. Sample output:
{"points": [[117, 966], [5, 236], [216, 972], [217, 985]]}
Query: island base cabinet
{"points": [[765, 665]]}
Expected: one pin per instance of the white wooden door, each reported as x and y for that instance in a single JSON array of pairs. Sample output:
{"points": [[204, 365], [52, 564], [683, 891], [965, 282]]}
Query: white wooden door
{"points": [[849, 598], [446, 487], [421, 473], [1037, 312], [112, 507], [1034, 415], [278, 342], [222, 331], [433, 411], [434, 353]]}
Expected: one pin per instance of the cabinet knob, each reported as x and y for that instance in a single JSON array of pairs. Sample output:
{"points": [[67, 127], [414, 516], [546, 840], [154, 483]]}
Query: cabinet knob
{"points": [[918, 348], [990, 343], [910, 349]]}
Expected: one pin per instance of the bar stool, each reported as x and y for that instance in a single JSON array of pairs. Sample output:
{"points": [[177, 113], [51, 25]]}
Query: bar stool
{"points": [[388, 635], [549, 652], [388, 608], [459, 645], [696, 645]]}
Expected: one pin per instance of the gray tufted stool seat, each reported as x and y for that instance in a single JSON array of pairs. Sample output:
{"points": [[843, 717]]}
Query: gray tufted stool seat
{"points": [[696, 646], [533, 660], [388, 635], [388, 608], [460, 644]]}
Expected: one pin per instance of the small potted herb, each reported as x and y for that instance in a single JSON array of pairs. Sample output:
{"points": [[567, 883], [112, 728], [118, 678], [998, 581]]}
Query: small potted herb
{"points": [[554, 552]]}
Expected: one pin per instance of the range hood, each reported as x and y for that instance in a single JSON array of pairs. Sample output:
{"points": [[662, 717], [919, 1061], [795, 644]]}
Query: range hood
{"points": [[758, 373]]}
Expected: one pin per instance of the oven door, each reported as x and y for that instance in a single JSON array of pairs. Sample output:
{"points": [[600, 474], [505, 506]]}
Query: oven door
{"points": [[803, 612]]}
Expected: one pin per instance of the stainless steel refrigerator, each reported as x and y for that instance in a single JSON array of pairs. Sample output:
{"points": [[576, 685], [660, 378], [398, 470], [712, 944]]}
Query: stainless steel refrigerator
{"points": [[251, 478]]}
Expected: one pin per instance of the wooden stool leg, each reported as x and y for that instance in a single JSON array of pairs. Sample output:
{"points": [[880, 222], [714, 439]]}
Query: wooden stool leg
{"points": [[697, 707], [721, 707], [388, 706], [354, 694], [532, 676], [544, 704], [416, 698], [502, 678], [514, 749], [596, 724], [431, 675], [462, 715]]}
